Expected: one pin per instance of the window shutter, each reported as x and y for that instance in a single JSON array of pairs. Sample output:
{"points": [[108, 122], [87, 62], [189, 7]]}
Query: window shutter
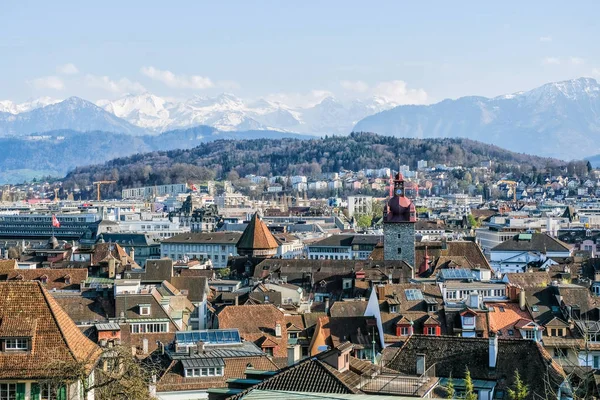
{"points": [[20, 391], [61, 393], [35, 391]]}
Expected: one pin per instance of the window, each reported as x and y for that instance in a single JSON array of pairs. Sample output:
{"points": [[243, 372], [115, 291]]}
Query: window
{"points": [[501, 309], [209, 371], [451, 294], [293, 335], [430, 330], [8, 391], [393, 309], [431, 307], [268, 351], [15, 344], [529, 335], [468, 320], [144, 309], [594, 337], [157, 327], [399, 250], [404, 331], [511, 332], [48, 392], [596, 362]]}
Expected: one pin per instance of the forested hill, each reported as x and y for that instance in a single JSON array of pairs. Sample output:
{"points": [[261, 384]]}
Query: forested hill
{"points": [[291, 157]]}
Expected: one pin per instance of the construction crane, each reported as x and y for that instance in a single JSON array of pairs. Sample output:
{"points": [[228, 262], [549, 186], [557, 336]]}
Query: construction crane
{"points": [[98, 183], [513, 185]]}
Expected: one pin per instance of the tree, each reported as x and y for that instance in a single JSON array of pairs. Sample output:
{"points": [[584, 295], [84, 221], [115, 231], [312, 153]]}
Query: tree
{"points": [[472, 221], [469, 388], [118, 375], [364, 220], [450, 392], [520, 391]]}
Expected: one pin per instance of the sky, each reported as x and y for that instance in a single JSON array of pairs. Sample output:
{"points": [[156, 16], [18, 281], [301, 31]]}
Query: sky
{"points": [[293, 51]]}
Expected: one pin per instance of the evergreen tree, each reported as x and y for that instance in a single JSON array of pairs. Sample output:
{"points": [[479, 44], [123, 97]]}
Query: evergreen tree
{"points": [[469, 388], [450, 392], [520, 391]]}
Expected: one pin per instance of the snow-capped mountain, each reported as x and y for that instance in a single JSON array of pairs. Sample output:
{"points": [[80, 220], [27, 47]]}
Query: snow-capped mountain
{"points": [[560, 119], [228, 112], [72, 113], [11, 107]]}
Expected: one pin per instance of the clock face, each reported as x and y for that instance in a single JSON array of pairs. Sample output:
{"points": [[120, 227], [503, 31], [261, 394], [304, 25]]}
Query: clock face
{"points": [[398, 192]]}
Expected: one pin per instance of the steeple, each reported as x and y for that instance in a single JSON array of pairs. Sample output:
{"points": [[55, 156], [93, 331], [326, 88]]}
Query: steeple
{"points": [[400, 208]]}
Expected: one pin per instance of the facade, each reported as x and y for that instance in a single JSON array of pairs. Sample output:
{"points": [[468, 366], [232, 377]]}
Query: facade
{"points": [[153, 191], [399, 225], [360, 205], [214, 246], [343, 247]]}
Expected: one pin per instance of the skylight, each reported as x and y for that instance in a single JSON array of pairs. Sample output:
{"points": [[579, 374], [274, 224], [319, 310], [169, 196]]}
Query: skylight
{"points": [[413, 294]]}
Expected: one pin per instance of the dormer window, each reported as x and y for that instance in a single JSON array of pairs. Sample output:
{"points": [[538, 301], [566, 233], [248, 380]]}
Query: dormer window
{"points": [[68, 279], [199, 372], [44, 279], [393, 309], [16, 344], [144, 309], [431, 307]]}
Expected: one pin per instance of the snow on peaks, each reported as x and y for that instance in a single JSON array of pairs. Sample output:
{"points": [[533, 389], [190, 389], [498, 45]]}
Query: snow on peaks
{"points": [[14, 108]]}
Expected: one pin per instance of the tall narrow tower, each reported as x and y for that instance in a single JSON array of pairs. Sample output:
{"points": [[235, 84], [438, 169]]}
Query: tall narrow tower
{"points": [[399, 220]]}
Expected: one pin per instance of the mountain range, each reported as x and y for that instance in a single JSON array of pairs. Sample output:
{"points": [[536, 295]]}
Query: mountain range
{"points": [[150, 114], [560, 119]]}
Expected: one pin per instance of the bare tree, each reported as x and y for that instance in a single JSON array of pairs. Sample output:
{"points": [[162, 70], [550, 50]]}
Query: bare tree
{"points": [[117, 375]]}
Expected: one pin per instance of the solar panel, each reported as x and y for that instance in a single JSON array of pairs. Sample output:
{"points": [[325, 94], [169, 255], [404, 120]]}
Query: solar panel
{"points": [[456, 273], [214, 336], [413, 294]]}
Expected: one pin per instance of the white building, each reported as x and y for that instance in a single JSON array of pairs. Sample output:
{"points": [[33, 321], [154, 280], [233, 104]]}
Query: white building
{"points": [[515, 254], [153, 191], [359, 205], [214, 246]]}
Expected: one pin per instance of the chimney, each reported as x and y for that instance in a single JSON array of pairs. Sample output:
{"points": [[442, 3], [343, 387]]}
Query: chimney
{"points": [[191, 351], [597, 276], [145, 346], [161, 347], [474, 299], [444, 243], [425, 266], [293, 354], [237, 301], [327, 306], [201, 347], [111, 268], [522, 299], [132, 254], [278, 329], [493, 350], [420, 364]]}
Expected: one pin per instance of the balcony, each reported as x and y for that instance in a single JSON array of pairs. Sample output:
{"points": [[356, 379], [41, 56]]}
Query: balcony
{"points": [[400, 385]]}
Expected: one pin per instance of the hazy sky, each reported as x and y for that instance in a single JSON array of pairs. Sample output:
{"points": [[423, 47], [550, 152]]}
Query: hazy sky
{"points": [[413, 52]]}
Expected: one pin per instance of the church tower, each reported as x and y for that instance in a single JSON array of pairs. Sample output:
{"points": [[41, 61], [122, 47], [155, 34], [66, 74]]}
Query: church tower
{"points": [[399, 220]]}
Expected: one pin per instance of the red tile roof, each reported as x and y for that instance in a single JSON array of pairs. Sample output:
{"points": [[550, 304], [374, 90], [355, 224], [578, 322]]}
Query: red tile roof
{"points": [[55, 336]]}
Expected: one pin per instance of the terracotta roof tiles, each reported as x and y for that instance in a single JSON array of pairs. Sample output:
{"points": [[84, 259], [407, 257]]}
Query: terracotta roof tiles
{"points": [[55, 335]]}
